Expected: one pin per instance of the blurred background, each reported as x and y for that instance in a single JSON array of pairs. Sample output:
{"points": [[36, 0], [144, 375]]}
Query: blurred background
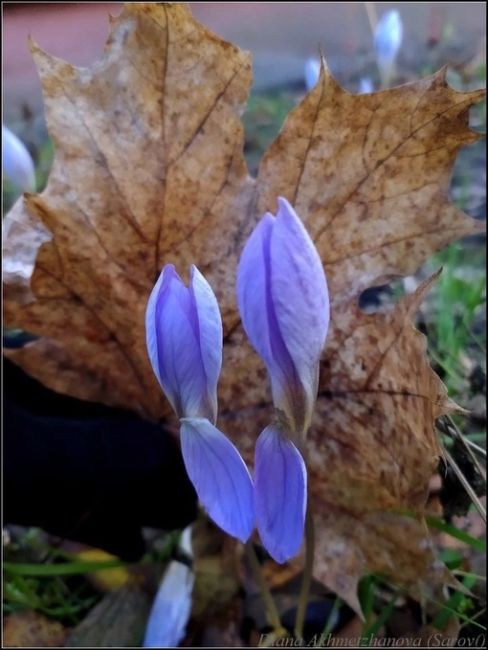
{"points": [[280, 36]]}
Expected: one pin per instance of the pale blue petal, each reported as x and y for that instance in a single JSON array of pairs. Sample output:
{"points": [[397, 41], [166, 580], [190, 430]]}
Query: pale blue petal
{"points": [[312, 73], [209, 332], [388, 37], [252, 287], [151, 338], [219, 475], [280, 494], [365, 86], [171, 608], [300, 295]]}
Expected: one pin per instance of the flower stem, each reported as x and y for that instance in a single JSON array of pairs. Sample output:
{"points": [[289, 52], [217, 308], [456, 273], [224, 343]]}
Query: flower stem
{"points": [[269, 604], [307, 574]]}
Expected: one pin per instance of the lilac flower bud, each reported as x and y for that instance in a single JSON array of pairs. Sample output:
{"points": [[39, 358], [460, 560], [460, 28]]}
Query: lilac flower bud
{"points": [[17, 163], [365, 86], [280, 493], [284, 306], [184, 342], [312, 73], [388, 37]]}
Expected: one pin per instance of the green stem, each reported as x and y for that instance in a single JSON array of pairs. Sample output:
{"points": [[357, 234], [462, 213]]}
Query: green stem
{"points": [[307, 574], [269, 604]]}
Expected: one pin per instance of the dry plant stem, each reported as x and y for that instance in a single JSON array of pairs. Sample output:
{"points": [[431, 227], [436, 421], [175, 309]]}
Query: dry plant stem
{"points": [[462, 479], [307, 573], [269, 604], [479, 450], [464, 442]]}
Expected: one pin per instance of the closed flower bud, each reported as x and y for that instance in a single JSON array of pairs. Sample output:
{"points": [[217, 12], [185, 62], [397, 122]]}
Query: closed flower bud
{"points": [[17, 163], [311, 73], [184, 342], [284, 306]]}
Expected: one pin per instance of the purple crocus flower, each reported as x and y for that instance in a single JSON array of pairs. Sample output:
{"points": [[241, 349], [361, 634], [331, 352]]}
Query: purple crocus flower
{"points": [[17, 163], [184, 342], [388, 37], [365, 86], [311, 72], [284, 305]]}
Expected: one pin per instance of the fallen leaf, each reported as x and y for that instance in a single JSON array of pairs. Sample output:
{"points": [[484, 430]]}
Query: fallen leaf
{"points": [[149, 169], [153, 169], [29, 629]]}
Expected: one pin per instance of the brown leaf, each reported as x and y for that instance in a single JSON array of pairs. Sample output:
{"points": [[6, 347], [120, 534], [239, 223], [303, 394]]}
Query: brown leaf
{"points": [[149, 169], [29, 629]]}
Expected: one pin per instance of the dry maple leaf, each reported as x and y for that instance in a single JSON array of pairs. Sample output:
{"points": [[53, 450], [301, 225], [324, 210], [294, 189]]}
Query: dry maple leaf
{"points": [[30, 629], [149, 169]]}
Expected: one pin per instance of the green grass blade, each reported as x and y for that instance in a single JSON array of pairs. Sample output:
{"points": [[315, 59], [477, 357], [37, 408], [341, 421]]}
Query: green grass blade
{"points": [[438, 524], [385, 613], [67, 568]]}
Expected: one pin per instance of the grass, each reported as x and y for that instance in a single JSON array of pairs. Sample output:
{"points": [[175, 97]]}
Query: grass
{"points": [[41, 577], [457, 301]]}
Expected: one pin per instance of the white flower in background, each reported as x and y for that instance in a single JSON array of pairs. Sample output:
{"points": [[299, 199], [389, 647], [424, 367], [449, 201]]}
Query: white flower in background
{"points": [[17, 163], [171, 608], [312, 72], [388, 37], [365, 86]]}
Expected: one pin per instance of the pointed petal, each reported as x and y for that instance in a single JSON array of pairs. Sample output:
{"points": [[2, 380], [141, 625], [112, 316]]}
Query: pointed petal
{"points": [[300, 295], [151, 330], [280, 494], [299, 289], [209, 332], [251, 287], [219, 475]]}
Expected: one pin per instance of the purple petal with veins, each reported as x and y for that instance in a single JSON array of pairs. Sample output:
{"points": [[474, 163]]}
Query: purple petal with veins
{"points": [[280, 494], [219, 475]]}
